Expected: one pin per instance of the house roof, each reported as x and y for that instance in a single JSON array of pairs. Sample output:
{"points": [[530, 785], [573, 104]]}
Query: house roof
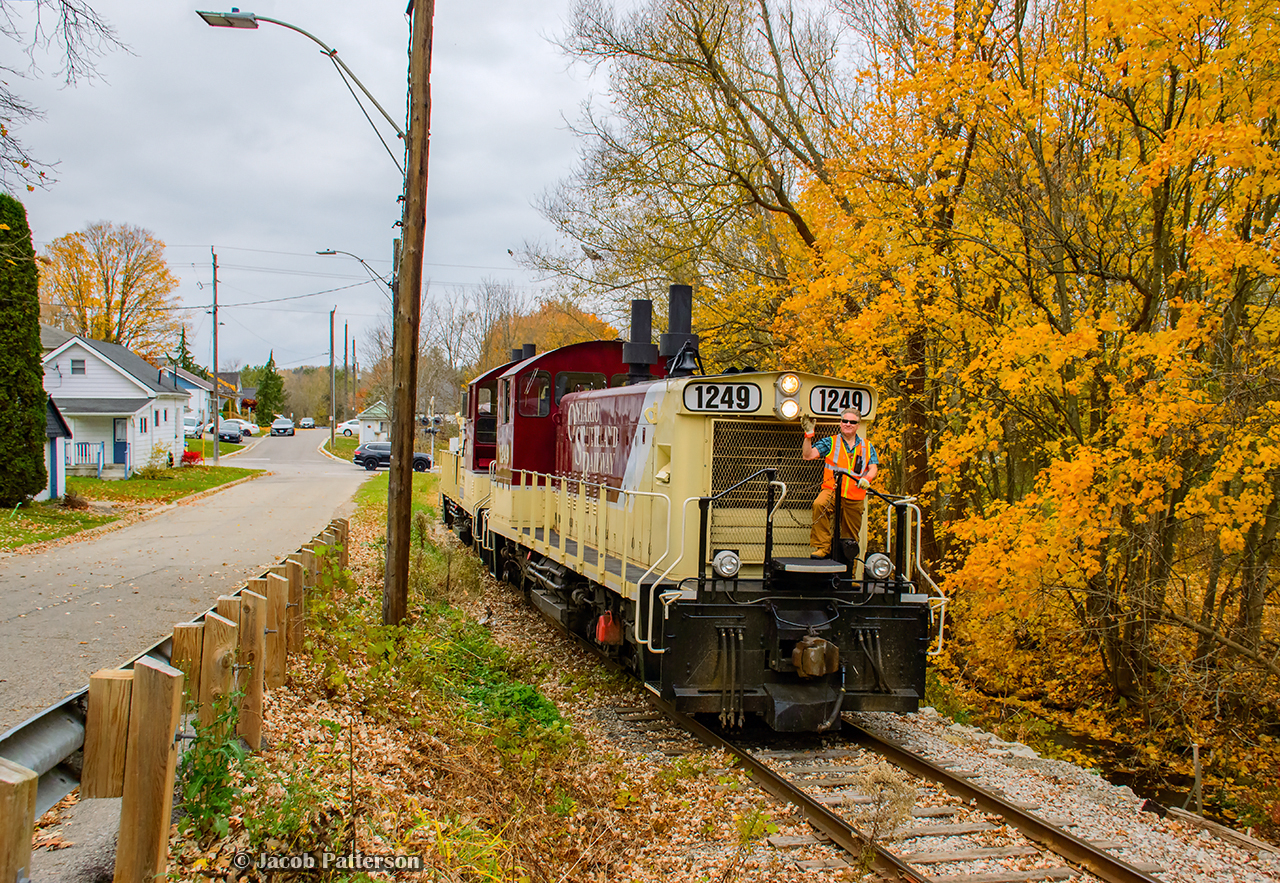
{"points": [[51, 338], [114, 407], [54, 425], [134, 365], [194, 379], [249, 392], [376, 411], [230, 380]]}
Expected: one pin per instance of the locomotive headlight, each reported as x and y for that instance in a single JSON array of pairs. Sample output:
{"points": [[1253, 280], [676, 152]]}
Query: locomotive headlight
{"points": [[789, 384], [726, 563], [879, 565], [789, 409]]}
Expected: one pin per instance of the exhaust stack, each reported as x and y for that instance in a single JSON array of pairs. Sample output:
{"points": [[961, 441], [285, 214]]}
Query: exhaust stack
{"points": [[639, 353], [679, 346]]}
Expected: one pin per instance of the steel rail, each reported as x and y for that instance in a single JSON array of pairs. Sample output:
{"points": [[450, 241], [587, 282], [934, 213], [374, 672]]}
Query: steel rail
{"points": [[843, 834], [1078, 852]]}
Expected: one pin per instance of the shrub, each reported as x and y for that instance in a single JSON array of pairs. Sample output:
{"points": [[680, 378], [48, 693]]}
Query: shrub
{"points": [[192, 458]]}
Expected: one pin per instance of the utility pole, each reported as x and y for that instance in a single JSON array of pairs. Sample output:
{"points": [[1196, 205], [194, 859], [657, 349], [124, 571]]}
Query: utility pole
{"points": [[217, 392], [333, 386], [346, 377], [406, 317]]}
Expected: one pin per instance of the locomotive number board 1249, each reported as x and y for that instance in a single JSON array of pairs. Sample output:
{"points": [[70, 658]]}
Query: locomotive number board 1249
{"points": [[835, 399], [740, 398]]}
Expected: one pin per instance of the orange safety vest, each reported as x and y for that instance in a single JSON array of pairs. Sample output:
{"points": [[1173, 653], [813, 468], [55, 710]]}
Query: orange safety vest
{"points": [[839, 457]]}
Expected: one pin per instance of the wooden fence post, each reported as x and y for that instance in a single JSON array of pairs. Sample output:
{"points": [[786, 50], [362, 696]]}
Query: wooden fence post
{"points": [[142, 852], [228, 607], [277, 626], [106, 730], [188, 650], [308, 553], [253, 609], [297, 612], [217, 664], [344, 531], [17, 818]]}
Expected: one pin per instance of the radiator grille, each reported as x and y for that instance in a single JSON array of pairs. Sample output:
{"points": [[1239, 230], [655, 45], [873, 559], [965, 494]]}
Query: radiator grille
{"points": [[741, 448]]}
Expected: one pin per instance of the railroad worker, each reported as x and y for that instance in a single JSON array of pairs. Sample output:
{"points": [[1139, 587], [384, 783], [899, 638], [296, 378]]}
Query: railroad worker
{"points": [[844, 450]]}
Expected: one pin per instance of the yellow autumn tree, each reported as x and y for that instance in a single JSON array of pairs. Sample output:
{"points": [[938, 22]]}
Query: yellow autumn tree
{"points": [[110, 282], [1063, 255]]}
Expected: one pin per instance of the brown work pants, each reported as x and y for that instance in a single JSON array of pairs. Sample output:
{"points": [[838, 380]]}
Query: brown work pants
{"points": [[823, 508]]}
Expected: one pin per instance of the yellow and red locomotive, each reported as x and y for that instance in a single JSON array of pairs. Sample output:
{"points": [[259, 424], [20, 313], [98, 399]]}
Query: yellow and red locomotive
{"points": [[665, 515]]}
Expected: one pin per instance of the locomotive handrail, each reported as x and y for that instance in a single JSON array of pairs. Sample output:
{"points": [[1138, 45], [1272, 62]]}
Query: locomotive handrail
{"points": [[648, 642], [602, 489], [782, 496], [938, 604], [734, 487]]}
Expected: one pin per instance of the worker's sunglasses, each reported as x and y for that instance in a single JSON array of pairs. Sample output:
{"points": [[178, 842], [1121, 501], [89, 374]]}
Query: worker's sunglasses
{"points": [[850, 422]]}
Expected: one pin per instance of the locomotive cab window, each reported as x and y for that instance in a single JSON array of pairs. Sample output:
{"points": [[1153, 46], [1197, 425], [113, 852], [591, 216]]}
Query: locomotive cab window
{"points": [[577, 381], [486, 416], [535, 394], [504, 397]]}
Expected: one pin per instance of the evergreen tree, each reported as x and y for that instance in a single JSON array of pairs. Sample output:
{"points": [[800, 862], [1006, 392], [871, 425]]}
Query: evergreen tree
{"points": [[271, 396], [185, 361], [22, 400]]}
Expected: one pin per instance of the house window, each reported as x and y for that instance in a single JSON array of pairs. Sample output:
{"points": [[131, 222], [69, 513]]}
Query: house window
{"points": [[166, 415], [77, 366], [142, 424]]}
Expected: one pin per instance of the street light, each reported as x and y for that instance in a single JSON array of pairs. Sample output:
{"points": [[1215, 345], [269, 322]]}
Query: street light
{"points": [[367, 268], [237, 19]]}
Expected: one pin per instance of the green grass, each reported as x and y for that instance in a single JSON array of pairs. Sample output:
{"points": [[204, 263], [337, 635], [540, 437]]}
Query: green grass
{"points": [[37, 522], [205, 447], [177, 483], [426, 492], [344, 446]]}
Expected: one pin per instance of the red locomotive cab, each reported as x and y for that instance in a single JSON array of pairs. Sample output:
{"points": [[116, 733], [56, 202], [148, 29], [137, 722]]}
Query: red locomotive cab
{"points": [[528, 401]]}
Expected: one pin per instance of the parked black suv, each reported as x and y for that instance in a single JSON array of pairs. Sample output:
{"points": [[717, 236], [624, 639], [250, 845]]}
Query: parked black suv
{"points": [[371, 455]]}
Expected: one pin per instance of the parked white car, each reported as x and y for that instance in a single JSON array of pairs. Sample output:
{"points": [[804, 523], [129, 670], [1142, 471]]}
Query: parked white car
{"points": [[191, 427], [246, 427], [350, 427]]}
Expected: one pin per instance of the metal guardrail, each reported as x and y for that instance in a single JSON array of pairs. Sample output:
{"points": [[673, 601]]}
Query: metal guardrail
{"points": [[51, 743]]}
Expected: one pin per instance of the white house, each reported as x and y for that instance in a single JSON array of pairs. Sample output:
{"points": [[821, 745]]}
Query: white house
{"points": [[375, 423], [56, 433], [120, 409]]}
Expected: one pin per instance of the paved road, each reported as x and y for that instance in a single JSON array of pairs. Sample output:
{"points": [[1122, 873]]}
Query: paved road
{"points": [[78, 608]]}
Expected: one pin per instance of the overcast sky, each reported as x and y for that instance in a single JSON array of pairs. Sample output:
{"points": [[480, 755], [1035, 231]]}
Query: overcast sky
{"points": [[248, 141]]}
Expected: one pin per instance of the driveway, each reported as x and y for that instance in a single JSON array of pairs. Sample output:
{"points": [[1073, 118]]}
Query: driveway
{"points": [[70, 611]]}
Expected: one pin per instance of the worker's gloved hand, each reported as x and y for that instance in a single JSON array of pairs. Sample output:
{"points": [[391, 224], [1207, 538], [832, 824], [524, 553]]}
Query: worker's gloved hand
{"points": [[863, 483], [808, 424]]}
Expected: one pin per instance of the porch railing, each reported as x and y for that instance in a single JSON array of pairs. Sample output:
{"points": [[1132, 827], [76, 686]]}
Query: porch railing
{"points": [[87, 454]]}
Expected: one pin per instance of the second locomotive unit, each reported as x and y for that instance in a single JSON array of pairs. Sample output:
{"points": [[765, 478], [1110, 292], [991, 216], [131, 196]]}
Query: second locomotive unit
{"points": [[665, 515]]}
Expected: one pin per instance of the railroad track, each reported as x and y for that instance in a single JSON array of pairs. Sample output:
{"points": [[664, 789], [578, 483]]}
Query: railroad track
{"points": [[816, 784], [948, 806]]}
